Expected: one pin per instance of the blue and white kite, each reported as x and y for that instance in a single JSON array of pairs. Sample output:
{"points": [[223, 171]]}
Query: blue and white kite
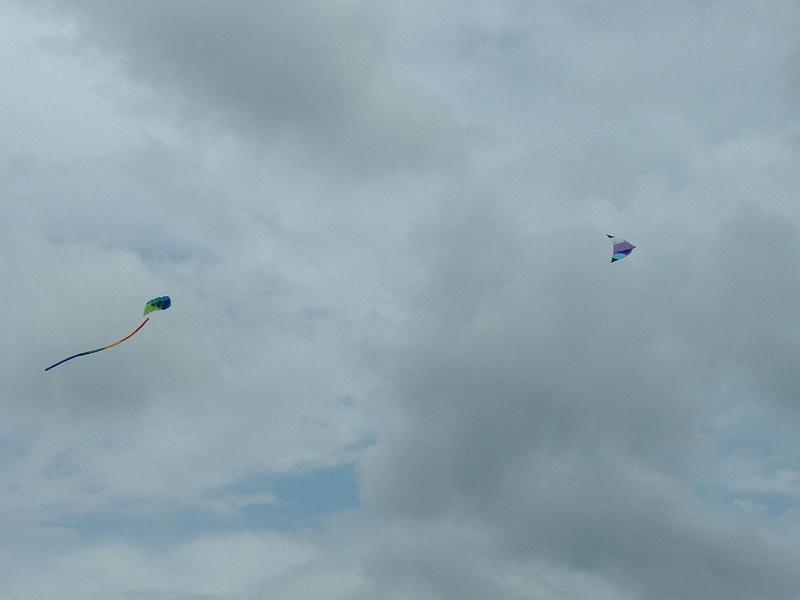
{"points": [[621, 248]]}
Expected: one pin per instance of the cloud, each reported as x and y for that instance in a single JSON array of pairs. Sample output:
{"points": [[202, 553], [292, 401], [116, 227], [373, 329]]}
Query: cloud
{"points": [[284, 73], [383, 231]]}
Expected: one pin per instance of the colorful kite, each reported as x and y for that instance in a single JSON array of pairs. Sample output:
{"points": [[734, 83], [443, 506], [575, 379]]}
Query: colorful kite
{"points": [[161, 303], [621, 248]]}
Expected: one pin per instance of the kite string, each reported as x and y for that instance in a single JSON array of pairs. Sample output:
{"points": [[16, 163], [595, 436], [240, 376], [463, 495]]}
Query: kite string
{"points": [[130, 335]]}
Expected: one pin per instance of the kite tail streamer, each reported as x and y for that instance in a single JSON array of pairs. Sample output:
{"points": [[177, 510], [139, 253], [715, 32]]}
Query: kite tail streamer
{"points": [[127, 337]]}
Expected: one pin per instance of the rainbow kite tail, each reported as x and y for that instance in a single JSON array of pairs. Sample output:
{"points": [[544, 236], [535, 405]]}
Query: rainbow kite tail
{"points": [[130, 335]]}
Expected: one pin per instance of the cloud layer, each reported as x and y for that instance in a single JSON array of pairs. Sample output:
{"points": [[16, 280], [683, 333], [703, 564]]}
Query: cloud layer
{"points": [[383, 230]]}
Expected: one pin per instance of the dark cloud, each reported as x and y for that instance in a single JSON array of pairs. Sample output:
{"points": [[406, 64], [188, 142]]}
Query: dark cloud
{"points": [[568, 412], [281, 72]]}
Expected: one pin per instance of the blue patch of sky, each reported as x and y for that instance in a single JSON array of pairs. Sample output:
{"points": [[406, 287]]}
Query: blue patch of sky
{"points": [[286, 503], [762, 437], [724, 499], [301, 499]]}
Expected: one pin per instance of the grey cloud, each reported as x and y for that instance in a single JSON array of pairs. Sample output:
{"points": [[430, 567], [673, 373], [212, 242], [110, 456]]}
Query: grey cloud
{"points": [[282, 71], [567, 413]]}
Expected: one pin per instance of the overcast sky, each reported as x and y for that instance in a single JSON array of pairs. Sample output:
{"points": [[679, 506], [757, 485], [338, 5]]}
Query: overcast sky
{"points": [[399, 364]]}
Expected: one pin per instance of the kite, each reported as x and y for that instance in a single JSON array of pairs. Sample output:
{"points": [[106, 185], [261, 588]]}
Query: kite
{"points": [[621, 248], [160, 303]]}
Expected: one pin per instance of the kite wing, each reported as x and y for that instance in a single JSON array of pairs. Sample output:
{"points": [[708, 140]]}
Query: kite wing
{"points": [[621, 248], [160, 303]]}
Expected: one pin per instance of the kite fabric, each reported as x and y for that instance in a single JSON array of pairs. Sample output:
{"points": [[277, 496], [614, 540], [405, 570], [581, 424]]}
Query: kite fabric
{"points": [[161, 303], [621, 248]]}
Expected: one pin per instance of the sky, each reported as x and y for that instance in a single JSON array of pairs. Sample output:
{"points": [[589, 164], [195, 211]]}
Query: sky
{"points": [[399, 363]]}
